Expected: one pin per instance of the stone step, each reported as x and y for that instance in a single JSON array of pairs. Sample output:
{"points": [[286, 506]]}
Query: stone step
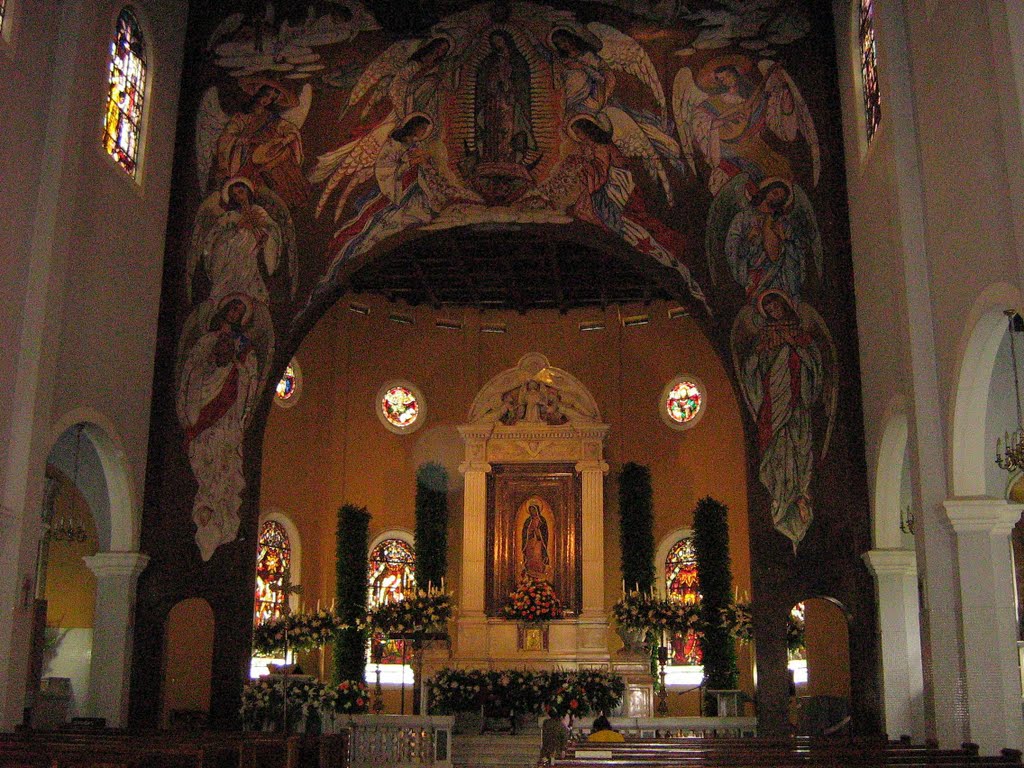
{"points": [[521, 751]]}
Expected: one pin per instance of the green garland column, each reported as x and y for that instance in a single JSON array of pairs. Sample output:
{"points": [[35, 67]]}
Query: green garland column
{"points": [[714, 574], [431, 525], [352, 542], [636, 527]]}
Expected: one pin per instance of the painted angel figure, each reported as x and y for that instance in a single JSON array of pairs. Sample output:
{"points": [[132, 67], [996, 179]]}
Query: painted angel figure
{"points": [[261, 142], [594, 184], [239, 235], [729, 112], [218, 383], [411, 76], [766, 233], [786, 363]]}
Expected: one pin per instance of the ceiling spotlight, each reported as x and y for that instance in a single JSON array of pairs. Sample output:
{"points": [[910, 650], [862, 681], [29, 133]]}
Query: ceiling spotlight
{"points": [[451, 325], [494, 328], [359, 309], [634, 320], [591, 325], [402, 319], [676, 312]]}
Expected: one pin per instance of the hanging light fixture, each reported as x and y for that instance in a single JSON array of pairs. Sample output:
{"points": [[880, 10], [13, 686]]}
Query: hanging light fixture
{"points": [[69, 525], [1011, 457]]}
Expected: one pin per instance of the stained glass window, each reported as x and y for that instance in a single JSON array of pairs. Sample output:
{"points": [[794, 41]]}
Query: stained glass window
{"points": [[869, 68], [400, 406], [683, 402], [126, 89], [681, 584], [392, 572], [795, 642], [273, 560]]}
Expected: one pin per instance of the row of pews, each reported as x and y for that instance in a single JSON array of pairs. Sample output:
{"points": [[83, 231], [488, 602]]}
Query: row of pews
{"points": [[169, 749], [777, 753]]}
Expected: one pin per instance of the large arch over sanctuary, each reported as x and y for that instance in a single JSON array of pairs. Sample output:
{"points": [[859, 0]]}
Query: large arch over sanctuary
{"points": [[525, 173]]}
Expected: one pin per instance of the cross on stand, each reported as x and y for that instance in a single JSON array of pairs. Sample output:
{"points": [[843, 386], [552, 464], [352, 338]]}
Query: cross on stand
{"points": [[286, 589]]}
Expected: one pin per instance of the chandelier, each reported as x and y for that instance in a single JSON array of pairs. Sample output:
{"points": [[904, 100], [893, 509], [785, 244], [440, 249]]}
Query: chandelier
{"points": [[69, 525], [1011, 457]]}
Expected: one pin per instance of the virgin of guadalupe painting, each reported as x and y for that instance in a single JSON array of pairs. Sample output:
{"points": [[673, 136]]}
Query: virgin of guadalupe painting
{"points": [[534, 524]]}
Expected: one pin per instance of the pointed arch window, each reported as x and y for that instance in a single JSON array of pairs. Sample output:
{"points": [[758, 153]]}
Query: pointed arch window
{"points": [[273, 561], [126, 88], [681, 583], [869, 68], [391, 577]]}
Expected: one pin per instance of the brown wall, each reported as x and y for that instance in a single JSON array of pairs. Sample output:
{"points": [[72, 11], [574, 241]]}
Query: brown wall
{"points": [[330, 448]]}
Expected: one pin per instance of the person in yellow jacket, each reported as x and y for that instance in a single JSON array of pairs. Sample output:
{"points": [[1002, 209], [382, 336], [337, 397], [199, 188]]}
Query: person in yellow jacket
{"points": [[602, 731]]}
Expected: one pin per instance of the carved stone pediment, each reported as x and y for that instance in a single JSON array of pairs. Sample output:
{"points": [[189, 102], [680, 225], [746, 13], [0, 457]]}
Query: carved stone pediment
{"points": [[534, 394]]}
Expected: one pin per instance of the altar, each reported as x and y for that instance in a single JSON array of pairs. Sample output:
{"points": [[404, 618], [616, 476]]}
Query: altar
{"points": [[533, 512]]}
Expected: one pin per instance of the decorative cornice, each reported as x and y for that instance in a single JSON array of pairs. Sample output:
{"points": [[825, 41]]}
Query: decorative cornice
{"points": [[891, 562], [117, 564], [982, 514]]}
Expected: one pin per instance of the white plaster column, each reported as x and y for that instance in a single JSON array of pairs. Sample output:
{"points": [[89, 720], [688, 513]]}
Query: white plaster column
{"points": [[472, 639], [593, 472], [982, 527], [895, 572], [116, 577]]}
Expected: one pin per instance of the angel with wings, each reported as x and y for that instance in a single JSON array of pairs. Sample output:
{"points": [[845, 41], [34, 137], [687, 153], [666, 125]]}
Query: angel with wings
{"points": [[586, 59], [786, 363], [731, 112], [239, 235], [766, 233], [261, 142]]}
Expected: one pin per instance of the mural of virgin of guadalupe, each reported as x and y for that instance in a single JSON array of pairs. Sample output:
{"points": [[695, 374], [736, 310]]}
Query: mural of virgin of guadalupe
{"points": [[786, 362], [535, 540], [503, 131]]}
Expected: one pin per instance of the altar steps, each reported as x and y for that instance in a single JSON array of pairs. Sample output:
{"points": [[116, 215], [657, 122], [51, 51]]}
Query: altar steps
{"points": [[497, 750]]}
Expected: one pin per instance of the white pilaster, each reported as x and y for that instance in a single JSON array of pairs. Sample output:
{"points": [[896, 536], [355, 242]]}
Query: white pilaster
{"points": [[116, 577], [989, 626], [593, 473], [895, 572]]}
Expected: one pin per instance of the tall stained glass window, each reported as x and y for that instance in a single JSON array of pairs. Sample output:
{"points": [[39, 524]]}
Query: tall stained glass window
{"points": [[273, 560], [392, 574], [126, 88], [869, 68], [681, 584]]}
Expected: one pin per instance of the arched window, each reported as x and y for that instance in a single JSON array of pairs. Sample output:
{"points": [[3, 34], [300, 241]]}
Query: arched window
{"points": [[126, 88], [391, 576], [681, 583], [869, 68], [273, 561]]}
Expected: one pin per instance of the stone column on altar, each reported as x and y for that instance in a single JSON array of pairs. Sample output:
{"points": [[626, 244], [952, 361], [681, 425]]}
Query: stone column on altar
{"points": [[472, 640], [593, 624], [116, 576]]}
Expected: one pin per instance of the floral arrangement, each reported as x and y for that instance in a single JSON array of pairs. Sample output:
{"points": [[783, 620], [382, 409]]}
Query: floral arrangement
{"points": [[309, 702], [418, 614], [795, 639], [305, 631], [637, 610], [352, 697], [524, 692], [533, 602], [736, 618]]}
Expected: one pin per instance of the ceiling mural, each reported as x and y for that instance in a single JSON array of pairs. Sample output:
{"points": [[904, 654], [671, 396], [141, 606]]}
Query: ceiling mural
{"points": [[681, 132]]}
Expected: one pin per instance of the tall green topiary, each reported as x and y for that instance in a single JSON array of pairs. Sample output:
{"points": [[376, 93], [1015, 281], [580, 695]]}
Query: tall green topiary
{"points": [[431, 525], [636, 526], [714, 574], [352, 544]]}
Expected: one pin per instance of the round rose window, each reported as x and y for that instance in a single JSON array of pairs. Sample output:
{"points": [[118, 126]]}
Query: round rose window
{"points": [[400, 407], [683, 402]]}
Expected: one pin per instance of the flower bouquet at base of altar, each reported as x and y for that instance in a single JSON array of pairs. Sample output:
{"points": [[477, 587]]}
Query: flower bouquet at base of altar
{"points": [[533, 602], [352, 697]]}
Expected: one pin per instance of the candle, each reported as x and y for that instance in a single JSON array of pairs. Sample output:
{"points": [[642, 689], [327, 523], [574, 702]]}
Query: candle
{"points": [[623, 587]]}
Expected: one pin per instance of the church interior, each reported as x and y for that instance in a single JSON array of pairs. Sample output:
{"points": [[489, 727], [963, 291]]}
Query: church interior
{"points": [[313, 309]]}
